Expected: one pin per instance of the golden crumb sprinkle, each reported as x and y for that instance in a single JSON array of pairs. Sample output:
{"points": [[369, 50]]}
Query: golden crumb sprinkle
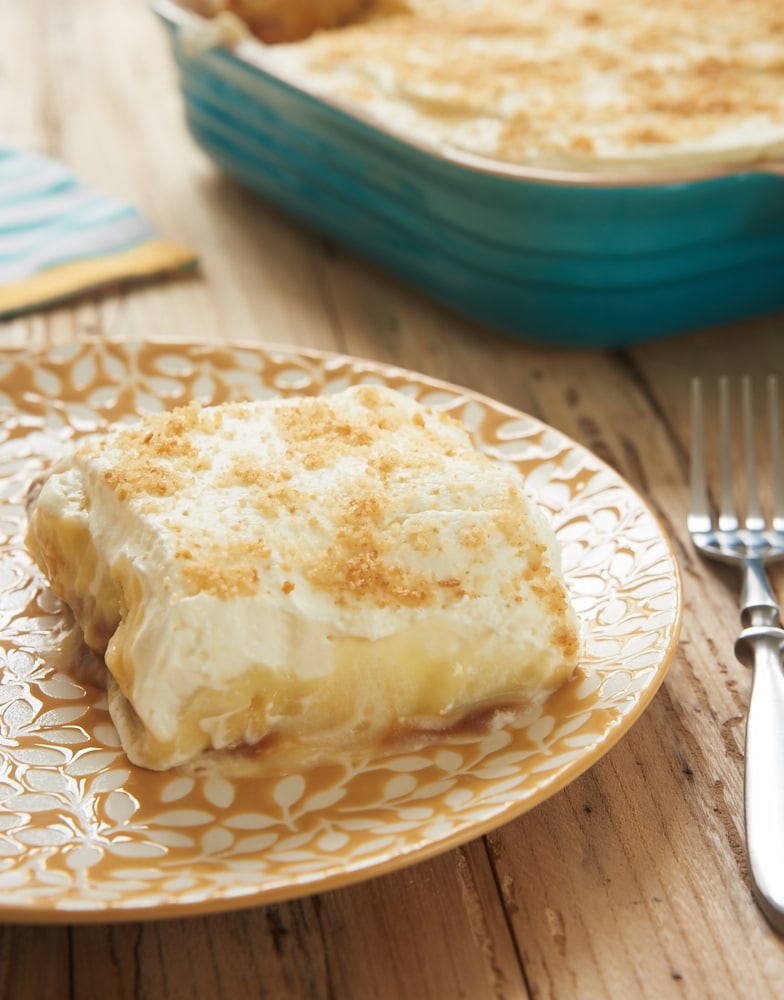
{"points": [[357, 499], [226, 570], [350, 574], [158, 455]]}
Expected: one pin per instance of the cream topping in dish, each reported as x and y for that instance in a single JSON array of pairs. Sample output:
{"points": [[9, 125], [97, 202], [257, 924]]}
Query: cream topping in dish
{"points": [[573, 85], [322, 569]]}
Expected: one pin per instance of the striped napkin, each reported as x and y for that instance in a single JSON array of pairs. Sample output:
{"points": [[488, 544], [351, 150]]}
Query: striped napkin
{"points": [[59, 239]]}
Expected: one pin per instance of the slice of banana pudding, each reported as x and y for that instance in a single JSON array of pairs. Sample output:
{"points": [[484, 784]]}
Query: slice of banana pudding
{"points": [[326, 570]]}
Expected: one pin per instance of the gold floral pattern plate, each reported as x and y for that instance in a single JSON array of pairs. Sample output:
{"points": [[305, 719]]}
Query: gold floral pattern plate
{"points": [[86, 836]]}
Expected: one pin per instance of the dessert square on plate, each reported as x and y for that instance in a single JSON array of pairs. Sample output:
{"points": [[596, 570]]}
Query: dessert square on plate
{"points": [[331, 572]]}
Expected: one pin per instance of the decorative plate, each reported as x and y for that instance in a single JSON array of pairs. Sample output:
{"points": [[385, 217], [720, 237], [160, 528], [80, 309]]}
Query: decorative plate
{"points": [[86, 836]]}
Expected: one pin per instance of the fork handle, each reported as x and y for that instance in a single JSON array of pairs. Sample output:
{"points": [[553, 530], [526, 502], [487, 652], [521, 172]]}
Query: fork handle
{"points": [[758, 603], [760, 646]]}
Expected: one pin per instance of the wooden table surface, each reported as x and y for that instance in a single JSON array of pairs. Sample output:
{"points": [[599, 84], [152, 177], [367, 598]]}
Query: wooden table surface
{"points": [[633, 880]]}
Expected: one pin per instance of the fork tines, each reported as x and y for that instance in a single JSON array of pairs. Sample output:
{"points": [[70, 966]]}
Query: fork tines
{"points": [[700, 516]]}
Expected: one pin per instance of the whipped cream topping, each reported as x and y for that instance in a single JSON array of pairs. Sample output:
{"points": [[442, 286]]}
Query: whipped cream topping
{"points": [[234, 563]]}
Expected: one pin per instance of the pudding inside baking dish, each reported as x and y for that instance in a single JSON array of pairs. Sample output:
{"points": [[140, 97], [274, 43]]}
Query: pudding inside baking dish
{"points": [[570, 85]]}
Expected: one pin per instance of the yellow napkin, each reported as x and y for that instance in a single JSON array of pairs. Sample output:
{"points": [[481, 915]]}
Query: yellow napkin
{"points": [[59, 239]]}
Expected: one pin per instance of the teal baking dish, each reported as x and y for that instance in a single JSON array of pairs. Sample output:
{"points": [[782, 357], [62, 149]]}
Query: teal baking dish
{"points": [[571, 260]]}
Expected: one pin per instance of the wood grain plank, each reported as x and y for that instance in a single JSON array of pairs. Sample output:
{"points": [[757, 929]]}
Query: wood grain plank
{"points": [[435, 930], [35, 962], [634, 885]]}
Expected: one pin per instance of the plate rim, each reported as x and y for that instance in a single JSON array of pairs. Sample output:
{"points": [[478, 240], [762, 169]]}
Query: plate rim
{"points": [[340, 876]]}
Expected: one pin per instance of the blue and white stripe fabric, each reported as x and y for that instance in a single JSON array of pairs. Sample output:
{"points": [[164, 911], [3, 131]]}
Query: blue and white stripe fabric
{"points": [[58, 237]]}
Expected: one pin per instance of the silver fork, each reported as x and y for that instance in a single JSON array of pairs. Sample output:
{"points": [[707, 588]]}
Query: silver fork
{"points": [[751, 544]]}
